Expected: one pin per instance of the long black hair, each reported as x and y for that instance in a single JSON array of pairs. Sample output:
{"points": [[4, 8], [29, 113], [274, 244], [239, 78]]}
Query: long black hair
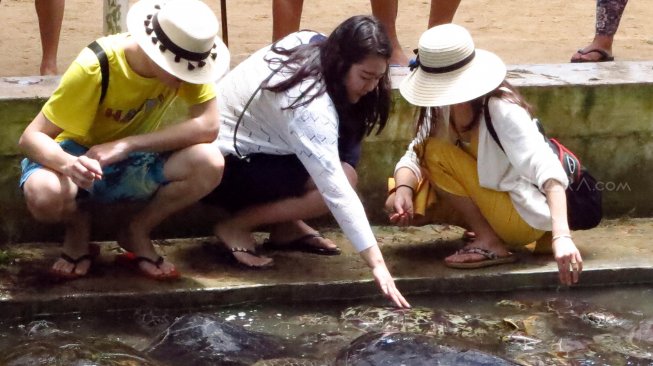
{"points": [[430, 115], [326, 63]]}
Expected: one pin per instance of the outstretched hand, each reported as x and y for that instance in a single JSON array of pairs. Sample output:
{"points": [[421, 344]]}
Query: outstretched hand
{"points": [[570, 263], [387, 285]]}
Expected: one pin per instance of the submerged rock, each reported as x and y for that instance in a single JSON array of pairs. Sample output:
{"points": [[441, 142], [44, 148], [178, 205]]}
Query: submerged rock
{"points": [[203, 339], [392, 349]]}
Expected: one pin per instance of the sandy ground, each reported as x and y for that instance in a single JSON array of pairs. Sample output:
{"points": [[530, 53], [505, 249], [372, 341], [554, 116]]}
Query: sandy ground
{"points": [[520, 31]]}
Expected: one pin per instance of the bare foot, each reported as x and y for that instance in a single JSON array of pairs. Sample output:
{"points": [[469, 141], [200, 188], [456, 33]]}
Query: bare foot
{"points": [[75, 260], [497, 248], [288, 232], [234, 237]]}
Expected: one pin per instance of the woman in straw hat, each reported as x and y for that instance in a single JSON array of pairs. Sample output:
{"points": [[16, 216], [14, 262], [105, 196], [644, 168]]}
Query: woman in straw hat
{"points": [[98, 138], [506, 199], [293, 116]]}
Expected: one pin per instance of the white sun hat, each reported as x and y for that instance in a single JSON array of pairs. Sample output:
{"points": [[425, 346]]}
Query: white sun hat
{"points": [[449, 70], [181, 37]]}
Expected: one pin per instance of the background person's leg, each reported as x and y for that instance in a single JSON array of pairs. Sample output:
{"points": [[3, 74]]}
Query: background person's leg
{"points": [[286, 17], [442, 12], [50, 15], [608, 16], [386, 12]]}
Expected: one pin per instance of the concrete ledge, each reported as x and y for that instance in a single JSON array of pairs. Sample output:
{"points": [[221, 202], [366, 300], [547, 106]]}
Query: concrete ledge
{"points": [[616, 253], [603, 112]]}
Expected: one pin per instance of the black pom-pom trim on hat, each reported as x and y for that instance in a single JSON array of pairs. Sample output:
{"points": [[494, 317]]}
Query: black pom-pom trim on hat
{"points": [[149, 16], [162, 48], [147, 23], [149, 31], [157, 6], [201, 64], [177, 58], [214, 56], [155, 40], [191, 67]]}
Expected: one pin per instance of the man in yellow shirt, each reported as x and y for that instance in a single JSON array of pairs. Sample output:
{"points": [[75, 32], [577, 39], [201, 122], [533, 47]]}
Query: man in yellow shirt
{"points": [[103, 143]]}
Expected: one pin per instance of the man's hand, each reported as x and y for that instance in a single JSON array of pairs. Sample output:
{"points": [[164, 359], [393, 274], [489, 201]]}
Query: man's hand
{"points": [[84, 171], [109, 153]]}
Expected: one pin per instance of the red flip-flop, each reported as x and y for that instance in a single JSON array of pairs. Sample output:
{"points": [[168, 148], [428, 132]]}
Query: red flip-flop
{"points": [[132, 261]]}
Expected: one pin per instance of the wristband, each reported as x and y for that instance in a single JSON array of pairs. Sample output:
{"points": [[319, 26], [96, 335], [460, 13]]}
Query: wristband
{"points": [[561, 236], [393, 190]]}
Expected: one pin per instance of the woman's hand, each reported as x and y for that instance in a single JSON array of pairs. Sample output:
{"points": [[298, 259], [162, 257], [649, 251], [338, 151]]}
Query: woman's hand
{"points": [[570, 263], [387, 285], [374, 260], [399, 206]]}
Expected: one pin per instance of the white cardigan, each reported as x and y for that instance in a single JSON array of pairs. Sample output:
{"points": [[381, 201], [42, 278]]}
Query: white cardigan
{"points": [[521, 171]]}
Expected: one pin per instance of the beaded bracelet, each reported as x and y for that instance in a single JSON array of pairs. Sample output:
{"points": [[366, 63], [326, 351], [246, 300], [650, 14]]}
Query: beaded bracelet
{"points": [[561, 236], [393, 190]]}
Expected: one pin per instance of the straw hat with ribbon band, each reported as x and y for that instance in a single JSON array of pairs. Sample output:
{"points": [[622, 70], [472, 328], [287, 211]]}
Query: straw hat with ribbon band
{"points": [[449, 70], [181, 37]]}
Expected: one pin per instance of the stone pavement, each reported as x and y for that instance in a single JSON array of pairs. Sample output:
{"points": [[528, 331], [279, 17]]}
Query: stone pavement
{"points": [[618, 252]]}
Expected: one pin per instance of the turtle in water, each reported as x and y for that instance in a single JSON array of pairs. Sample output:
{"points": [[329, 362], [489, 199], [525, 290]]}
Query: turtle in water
{"points": [[589, 314], [71, 350], [375, 318], [611, 344], [410, 349], [418, 320]]}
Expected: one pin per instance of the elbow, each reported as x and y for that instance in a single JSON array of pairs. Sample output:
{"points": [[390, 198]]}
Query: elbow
{"points": [[209, 130]]}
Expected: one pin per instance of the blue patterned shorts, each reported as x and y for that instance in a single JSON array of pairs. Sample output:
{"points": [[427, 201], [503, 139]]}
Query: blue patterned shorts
{"points": [[136, 178]]}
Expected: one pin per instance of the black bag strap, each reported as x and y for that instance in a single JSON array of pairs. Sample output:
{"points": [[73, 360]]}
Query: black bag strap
{"points": [[104, 67], [488, 123]]}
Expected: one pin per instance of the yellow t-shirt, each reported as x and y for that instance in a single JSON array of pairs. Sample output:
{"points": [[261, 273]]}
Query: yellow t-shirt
{"points": [[132, 105]]}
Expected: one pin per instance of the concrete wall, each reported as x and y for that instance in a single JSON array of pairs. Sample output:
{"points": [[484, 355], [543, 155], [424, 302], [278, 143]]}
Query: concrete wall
{"points": [[602, 112]]}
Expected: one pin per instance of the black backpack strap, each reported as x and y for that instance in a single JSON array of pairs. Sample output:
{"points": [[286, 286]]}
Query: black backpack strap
{"points": [[104, 67], [488, 123]]}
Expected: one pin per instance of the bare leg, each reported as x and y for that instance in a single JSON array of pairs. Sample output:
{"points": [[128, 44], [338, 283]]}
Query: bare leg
{"points": [[288, 213], [50, 14], [485, 237], [50, 198], [286, 17], [442, 12], [193, 172], [608, 16], [386, 12]]}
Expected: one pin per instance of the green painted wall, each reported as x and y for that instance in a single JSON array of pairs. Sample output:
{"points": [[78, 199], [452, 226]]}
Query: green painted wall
{"points": [[609, 126]]}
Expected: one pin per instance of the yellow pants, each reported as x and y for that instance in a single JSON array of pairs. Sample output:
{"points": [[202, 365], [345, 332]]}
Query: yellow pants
{"points": [[454, 171]]}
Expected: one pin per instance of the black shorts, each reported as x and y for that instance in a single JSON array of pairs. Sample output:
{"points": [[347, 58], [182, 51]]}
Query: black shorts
{"points": [[264, 178], [261, 179]]}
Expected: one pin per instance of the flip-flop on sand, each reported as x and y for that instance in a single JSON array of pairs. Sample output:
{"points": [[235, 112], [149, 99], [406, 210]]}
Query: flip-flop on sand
{"points": [[93, 253], [491, 259], [603, 56]]}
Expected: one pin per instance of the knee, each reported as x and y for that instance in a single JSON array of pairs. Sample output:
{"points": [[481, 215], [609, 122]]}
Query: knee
{"points": [[49, 202], [351, 174], [208, 165]]}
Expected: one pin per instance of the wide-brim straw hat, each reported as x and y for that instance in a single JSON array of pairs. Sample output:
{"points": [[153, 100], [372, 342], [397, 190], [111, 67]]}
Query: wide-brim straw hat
{"points": [[449, 70], [181, 37]]}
